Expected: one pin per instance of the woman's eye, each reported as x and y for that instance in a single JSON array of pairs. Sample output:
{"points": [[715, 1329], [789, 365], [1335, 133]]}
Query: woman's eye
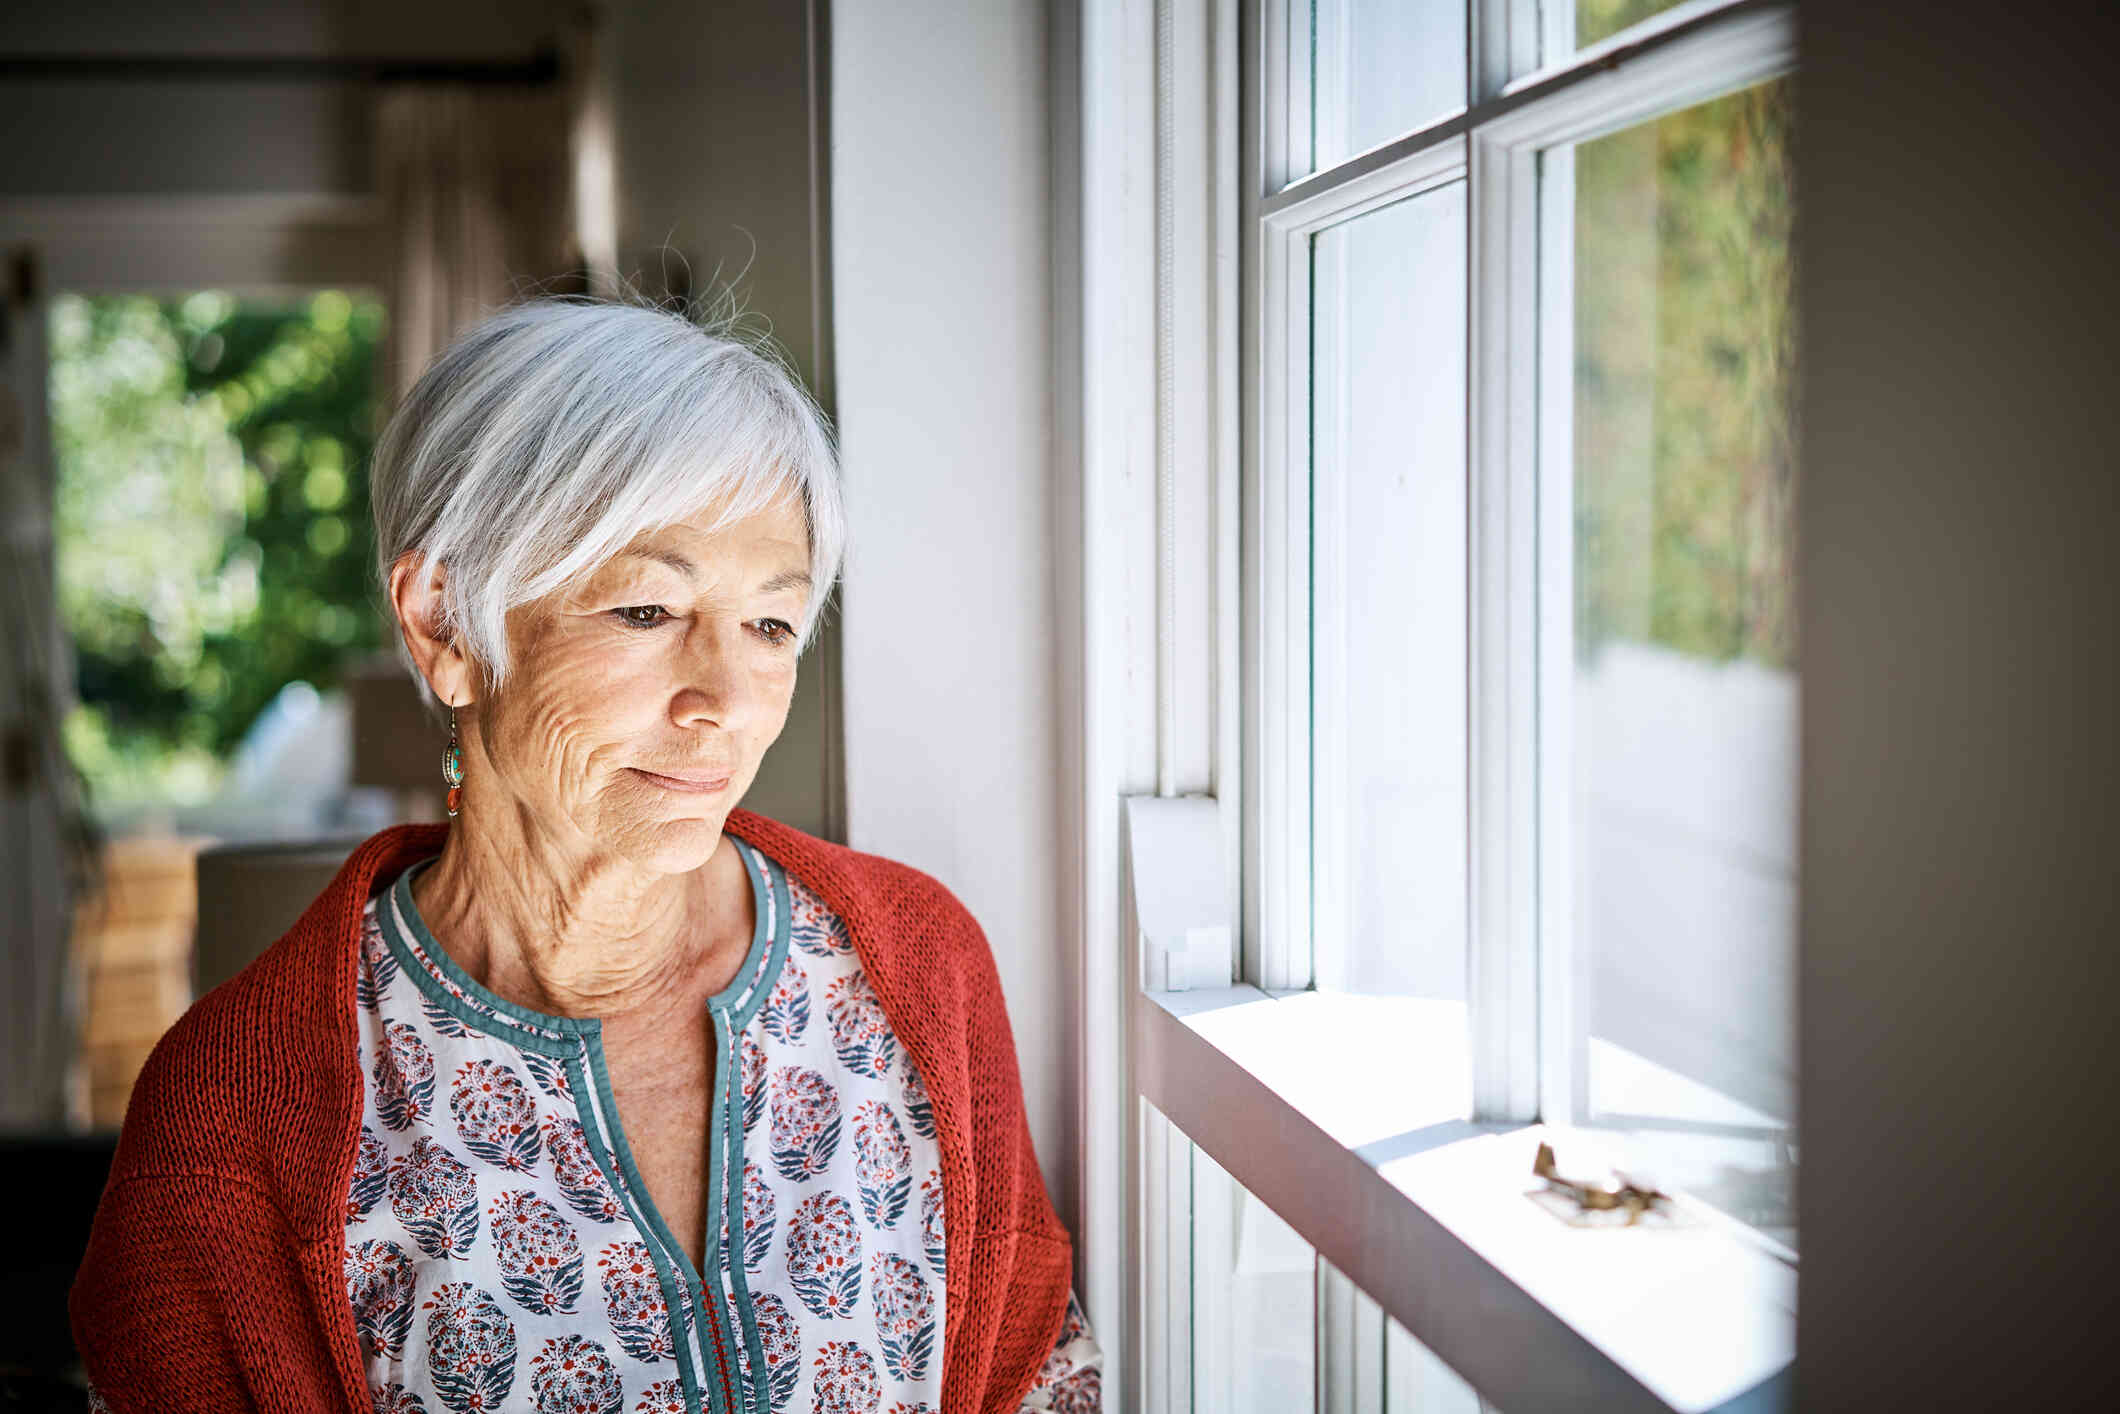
{"points": [[627, 615], [776, 631]]}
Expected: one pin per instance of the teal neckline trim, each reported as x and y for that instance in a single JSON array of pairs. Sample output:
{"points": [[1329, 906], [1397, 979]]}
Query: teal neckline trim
{"points": [[521, 1025], [672, 1267], [732, 1009]]}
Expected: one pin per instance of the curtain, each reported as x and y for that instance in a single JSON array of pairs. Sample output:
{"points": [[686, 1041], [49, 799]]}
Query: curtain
{"points": [[477, 186]]}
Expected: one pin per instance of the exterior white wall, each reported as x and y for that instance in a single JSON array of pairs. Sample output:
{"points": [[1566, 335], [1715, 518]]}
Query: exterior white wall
{"points": [[941, 261]]}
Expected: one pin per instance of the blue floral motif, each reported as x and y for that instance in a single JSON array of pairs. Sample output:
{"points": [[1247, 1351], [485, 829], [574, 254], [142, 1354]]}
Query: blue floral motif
{"points": [[919, 1112], [757, 1218], [861, 1035], [573, 1375], [550, 1075], [443, 1020], [371, 1171], [495, 1114], [931, 1233], [435, 1196], [539, 1256], [786, 1014], [396, 1399], [805, 1123], [404, 1077], [378, 965], [882, 1163], [846, 1380], [753, 1058], [470, 1348], [581, 1179], [662, 1397], [379, 1277], [817, 930], [782, 1340], [633, 1295], [904, 1308], [824, 1255]]}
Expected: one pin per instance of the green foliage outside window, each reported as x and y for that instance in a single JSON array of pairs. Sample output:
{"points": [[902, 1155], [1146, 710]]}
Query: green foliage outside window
{"points": [[1685, 351], [212, 520]]}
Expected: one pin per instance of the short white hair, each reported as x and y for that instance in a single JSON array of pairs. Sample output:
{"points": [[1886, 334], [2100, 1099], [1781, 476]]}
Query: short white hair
{"points": [[545, 438]]}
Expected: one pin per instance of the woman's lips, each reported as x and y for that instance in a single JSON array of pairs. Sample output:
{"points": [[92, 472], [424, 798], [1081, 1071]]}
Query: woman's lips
{"points": [[689, 785]]}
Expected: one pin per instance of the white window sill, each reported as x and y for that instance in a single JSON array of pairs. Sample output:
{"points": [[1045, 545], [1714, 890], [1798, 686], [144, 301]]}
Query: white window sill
{"points": [[1348, 1116]]}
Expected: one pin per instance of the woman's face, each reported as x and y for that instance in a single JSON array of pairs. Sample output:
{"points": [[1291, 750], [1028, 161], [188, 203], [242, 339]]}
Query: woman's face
{"points": [[643, 697]]}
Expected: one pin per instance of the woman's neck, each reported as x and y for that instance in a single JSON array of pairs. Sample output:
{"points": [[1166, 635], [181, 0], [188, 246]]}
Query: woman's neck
{"points": [[587, 937]]}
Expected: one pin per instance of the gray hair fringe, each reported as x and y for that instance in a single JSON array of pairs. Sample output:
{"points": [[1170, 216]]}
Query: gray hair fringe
{"points": [[545, 438]]}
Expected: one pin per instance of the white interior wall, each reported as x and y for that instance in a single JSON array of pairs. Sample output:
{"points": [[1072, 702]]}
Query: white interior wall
{"points": [[941, 264]]}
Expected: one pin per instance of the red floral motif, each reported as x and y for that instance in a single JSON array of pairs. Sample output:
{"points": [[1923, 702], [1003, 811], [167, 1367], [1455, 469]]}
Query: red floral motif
{"points": [[882, 1163], [581, 1181], [805, 1123], [538, 1254], [846, 1380], [573, 1375], [633, 1295], [824, 1255], [861, 1036], [495, 1114]]}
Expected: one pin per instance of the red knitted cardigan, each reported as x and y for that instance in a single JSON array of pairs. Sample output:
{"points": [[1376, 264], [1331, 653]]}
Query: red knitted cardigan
{"points": [[214, 1277]]}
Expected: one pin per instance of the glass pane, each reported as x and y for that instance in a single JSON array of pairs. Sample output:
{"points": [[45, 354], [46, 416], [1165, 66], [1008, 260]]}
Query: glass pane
{"points": [[1380, 69], [1389, 600], [1601, 19], [1415, 1382], [1684, 720], [1254, 1301]]}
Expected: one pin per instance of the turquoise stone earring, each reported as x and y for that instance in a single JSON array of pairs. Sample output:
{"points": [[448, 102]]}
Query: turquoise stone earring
{"points": [[453, 765]]}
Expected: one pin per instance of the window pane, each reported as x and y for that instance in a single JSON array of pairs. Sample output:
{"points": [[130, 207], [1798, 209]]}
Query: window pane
{"points": [[1254, 1292], [1601, 19], [1415, 1382], [1388, 599], [1381, 69], [1684, 720]]}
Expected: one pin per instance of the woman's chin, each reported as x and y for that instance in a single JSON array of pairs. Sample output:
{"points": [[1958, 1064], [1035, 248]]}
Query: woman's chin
{"points": [[674, 844]]}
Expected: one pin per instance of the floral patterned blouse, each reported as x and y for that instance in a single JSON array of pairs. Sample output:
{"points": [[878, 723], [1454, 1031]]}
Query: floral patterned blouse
{"points": [[503, 1253]]}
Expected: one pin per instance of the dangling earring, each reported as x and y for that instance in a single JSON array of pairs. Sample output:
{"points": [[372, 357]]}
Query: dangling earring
{"points": [[453, 765]]}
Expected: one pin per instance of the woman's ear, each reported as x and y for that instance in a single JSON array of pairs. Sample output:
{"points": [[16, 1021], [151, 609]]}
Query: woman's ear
{"points": [[418, 605]]}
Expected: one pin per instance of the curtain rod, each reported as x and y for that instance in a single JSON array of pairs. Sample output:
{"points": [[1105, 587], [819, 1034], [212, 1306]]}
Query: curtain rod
{"points": [[542, 67]]}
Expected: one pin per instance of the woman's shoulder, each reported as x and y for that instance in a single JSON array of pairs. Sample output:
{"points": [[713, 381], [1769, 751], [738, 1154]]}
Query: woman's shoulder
{"points": [[872, 887], [259, 1079]]}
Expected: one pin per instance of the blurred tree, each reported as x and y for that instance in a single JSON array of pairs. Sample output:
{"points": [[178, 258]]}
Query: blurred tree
{"points": [[1685, 425], [212, 519]]}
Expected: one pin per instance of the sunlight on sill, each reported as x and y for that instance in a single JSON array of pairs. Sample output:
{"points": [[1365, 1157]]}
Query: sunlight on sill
{"points": [[1364, 1069]]}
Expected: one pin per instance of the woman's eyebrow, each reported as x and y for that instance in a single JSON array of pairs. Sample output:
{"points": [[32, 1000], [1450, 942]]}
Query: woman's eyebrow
{"points": [[669, 557], [786, 579]]}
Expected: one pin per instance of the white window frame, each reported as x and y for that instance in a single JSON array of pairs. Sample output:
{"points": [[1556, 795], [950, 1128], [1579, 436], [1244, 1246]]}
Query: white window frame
{"points": [[1189, 376]]}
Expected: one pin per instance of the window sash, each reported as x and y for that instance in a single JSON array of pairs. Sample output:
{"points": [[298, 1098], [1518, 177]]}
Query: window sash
{"points": [[1250, 328]]}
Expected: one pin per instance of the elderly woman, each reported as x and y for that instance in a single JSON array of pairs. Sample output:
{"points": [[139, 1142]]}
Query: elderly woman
{"points": [[606, 1094]]}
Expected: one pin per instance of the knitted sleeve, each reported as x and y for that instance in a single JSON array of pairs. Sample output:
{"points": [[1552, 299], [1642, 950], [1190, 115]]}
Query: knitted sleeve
{"points": [[191, 1296]]}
